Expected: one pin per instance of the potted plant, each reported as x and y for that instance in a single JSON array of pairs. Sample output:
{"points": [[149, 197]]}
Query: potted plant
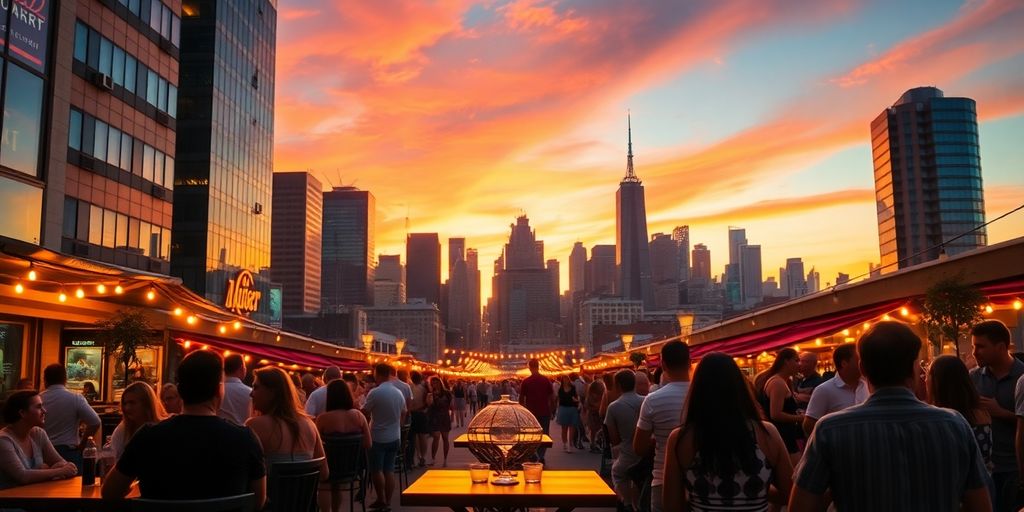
{"points": [[122, 335], [948, 311]]}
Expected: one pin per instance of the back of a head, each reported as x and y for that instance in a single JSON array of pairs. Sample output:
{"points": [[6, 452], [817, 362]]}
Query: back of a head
{"points": [[888, 351], [332, 373], [233, 363], [416, 377], [675, 356], [285, 397], [55, 374], [339, 396], [152, 406], [992, 330], [382, 372], [719, 411], [950, 386], [534, 365], [625, 380], [199, 377], [843, 353]]}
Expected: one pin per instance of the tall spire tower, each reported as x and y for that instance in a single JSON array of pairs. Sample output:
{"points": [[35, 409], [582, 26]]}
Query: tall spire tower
{"points": [[632, 254]]}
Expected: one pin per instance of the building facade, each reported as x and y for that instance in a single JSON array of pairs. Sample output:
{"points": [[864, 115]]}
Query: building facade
{"points": [[525, 309], [664, 271], [423, 267], [928, 183], [751, 286], [349, 248], [701, 258], [295, 241], [632, 257], [600, 278], [681, 236], [389, 281], [607, 311], [225, 148], [419, 323]]}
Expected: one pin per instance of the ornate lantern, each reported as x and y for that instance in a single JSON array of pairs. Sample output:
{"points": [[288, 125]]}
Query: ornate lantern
{"points": [[504, 434]]}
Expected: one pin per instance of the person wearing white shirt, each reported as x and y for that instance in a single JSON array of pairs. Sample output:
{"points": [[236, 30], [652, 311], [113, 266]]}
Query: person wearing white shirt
{"points": [[661, 413], [65, 411], [236, 406], [316, 402], [386, 409], [844, 390]]}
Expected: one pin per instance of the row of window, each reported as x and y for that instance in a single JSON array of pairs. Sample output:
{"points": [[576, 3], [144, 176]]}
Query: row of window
{"points": [[108, 228], [158, 16], [957, 160], [106, 143], [977, 218], [958, 182], [962, 205], [957, 138], [974, 194], [102, 55], [957, 149], [953, 126], [952, 115]]}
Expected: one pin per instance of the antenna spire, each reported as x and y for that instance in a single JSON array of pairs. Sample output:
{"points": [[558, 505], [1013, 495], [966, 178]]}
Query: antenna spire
{"points": [[630, 174]]}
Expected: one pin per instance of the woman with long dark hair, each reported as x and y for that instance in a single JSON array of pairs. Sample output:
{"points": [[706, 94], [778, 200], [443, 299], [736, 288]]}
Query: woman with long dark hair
{"points": [[568, 414], [949, 385], [724, 457], [775, 392], [283, 428], [26, 454], [439, 418]]}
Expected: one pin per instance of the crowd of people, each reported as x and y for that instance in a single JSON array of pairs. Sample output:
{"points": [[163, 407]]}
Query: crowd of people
{"points": [[884, 431]]}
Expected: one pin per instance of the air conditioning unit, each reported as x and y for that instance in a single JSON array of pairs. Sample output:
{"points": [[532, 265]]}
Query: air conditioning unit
{"points": [[163, 118], [87, 162], [158, 192], [257, 208], [103, 81]]}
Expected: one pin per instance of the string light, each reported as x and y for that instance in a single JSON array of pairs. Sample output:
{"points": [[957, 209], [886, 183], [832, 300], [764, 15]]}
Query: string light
{"points": [[188, 343], [80, 293], [62, 297], [191, 320], [101, 289], [118, 290], [32, 275], [988, 309], [904, 311], [18, 288], [1017, 304], [223, 329], [237, 325], [150, 295], [177, 311]]}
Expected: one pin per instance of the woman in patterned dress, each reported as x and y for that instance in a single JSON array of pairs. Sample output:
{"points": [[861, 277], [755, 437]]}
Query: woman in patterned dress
{"points": [[724, 457]]}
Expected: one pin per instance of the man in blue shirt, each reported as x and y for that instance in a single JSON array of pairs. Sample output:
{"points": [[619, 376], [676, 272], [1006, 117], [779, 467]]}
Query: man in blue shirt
{"points": [[386, 409]]}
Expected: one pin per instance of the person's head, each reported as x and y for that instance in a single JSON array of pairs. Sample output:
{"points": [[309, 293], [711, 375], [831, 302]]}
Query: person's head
{"points": [[847, 364], [643, 384], [308, 382], [332, 373], [785, 364], [200, 378], [139, 406], [339, 396], [382, 372], [24, 406], [625, 381], [888, 354], [675, 359], [89, 387], [417, 377], [949, 385], [234, 366], [991, 342], [55, 374], [808, 363], [719, 411], [170, 398], [273, 393], [437, 385], [534, 365]]}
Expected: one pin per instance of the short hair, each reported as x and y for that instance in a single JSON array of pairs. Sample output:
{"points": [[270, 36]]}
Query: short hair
{"points": [[339, 396], [55, 374], [416, 377], [533, 363], [675, 355], [843, 353], [887, 353], [17, 402], [626, 379], [382, 371], [992, 330], [233, 363], [199, 376], [350, 377], [332, 373]]}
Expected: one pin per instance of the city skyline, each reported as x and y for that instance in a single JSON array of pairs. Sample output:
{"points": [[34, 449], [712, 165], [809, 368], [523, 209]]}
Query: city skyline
{"points": [[454, 106]]}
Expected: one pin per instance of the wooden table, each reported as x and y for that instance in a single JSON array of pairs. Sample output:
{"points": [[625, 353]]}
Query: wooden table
{"points": [[60, 495], [463, 441], [563, 490]]}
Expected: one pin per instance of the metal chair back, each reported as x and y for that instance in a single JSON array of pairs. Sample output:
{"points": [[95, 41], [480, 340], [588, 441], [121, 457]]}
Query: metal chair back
{"points": [[240, 503], [292, 486]]}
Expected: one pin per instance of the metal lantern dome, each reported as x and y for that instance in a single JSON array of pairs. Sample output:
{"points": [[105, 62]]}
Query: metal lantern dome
{"points": [[504, 434]]}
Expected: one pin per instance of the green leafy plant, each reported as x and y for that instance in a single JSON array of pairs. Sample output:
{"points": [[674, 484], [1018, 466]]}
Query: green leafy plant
{"points": [[637, 358], [949, 309], [123, 334]]}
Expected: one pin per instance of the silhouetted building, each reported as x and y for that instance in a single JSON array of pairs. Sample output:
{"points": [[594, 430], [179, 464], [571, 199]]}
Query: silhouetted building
{"points": [[701, 257], [796, 285], [423, 267], [600, 278], [389, 281], [842, 278], [525, 311], [349, 248], [632, 259], [927, 178], [733, 272], [813, 281], [751, 276], [473, 335], [664, 271], [577, 268], [295, 249], [681, 236]]}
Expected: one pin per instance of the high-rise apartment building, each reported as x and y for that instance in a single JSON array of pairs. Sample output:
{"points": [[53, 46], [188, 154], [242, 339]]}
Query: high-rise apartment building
{"points": [[577, 268], [681, 236], [701, 258], [423, 267], [474, 333], [813, 281], [349, 248], [295, 241], [225, 147], [928, 184], [600, 277], [632, 258]]}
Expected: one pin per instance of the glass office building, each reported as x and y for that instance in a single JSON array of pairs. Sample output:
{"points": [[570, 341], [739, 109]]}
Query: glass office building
{"points": [[928, 183], [224, 178], [348, 259]]}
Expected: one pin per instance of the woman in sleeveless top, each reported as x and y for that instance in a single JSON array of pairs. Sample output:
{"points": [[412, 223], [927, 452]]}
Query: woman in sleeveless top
{"points": [[724, 457], [459, 392], [439, 417], [779, 403], [139, 407], [339, 417], [26, 454], [284, 430]]}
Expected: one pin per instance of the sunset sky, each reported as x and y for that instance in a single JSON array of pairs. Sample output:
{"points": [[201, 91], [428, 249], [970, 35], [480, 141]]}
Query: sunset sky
{"points": [[751, 113]]}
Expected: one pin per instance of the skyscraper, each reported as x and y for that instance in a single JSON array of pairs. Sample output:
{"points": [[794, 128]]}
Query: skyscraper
{"points": [[295, 241], [733, 271], [751, 286], [349, 248], [225, 147], [600, 279], [423, 267], [664, 271], [632, 259], [813, 281], [577, 268], [473, 275], [795, 285], [389, 281], [525, 306], [681, 236], [927, 178], [701, 257], [456, 251]]}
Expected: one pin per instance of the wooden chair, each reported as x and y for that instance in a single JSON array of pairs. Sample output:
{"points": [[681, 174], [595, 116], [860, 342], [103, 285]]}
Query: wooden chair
{"points": [[292, 486], [346, 460], [240, 503]]}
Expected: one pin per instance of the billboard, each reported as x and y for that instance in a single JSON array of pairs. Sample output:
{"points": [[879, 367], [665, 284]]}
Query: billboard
{"points": [[25, 29]]}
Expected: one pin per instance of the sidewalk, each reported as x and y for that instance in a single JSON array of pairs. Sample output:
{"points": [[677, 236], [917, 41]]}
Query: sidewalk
{"points": [[460, 458]]}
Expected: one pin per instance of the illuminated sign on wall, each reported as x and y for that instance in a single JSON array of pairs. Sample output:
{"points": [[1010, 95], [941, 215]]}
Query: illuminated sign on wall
{"points": [[242, 297], [28, 32]]}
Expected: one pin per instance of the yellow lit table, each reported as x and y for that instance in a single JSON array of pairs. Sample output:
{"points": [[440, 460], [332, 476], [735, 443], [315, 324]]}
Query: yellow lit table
{"points": [[57, 495], [463, 441], [562, 490]]}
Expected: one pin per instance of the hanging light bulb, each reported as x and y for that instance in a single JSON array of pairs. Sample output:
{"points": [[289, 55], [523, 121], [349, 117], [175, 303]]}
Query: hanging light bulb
{"points": [[118, 290], [32, 275], [223, 329], [178, 311], [191, 320], [62, 297], [80, 293], [150, 295], [18, 288], [188, 343], [101, 289], [904, 311], [237, 325], [988, 309], [1017, 304]]}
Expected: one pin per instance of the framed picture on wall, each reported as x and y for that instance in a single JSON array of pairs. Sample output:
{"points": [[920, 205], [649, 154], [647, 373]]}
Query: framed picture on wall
{"points": [[83, 364], [146, 370]]}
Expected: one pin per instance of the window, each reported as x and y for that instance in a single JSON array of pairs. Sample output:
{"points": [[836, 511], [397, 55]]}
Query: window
{"points": [[109, 228], [21, 207], [126, 152], [133, 233], [145, 231], [106, 56], [75, 130], [81, 41], [130, 73], [22, 114], [95, 225], [118, 72], [114, 146], [99, 149], [121, 237], [151, 87], [169, 172], [148, 158]]}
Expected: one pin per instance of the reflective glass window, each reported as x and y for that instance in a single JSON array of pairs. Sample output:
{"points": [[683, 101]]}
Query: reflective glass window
{"points": [[95, 225], [126, 152], [121, 236], [81, 41], [75, 130], [172, 100], [152, 85], [109, 227], [118, 72], [161, 100], [106, 56], [145, 236], [130, 70], [99, 148], [133, 233], [23, 109], [168, 172], [114, 146], [21, 207], [148, 158]]}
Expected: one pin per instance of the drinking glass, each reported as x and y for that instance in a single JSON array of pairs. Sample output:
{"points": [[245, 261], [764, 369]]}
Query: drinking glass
{"points": [[479, 473], [532, 472]]}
